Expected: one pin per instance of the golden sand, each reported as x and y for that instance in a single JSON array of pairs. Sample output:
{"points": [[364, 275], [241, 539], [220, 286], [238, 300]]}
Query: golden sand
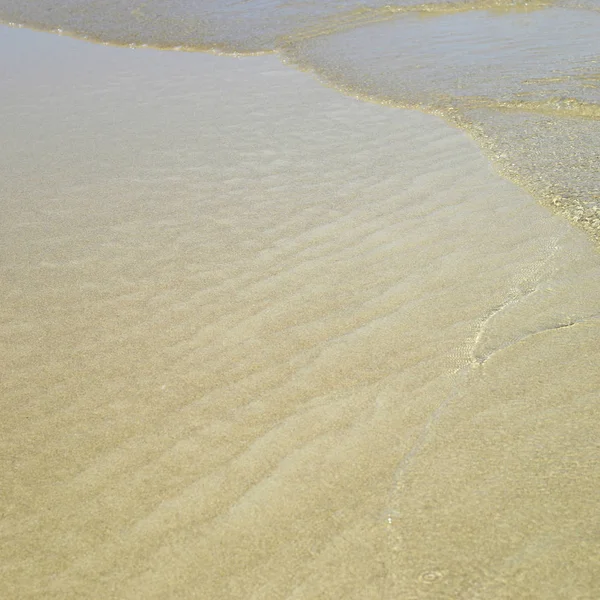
{"points": [[260, 340]]}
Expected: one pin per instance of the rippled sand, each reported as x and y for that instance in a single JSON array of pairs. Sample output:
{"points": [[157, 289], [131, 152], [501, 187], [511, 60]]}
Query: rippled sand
{"points": [[263, 341]]}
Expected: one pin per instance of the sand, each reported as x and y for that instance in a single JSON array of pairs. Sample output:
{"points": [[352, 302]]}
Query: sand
{"points": [[261, 340]]}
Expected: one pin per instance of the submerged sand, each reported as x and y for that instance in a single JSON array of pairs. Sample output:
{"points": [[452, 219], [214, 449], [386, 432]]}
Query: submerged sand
{"points": [[260, 340]]}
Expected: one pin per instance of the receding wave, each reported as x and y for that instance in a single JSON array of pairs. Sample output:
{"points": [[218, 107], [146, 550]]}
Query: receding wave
{"points": [[231, 26], [525, 85], [521, 77]]}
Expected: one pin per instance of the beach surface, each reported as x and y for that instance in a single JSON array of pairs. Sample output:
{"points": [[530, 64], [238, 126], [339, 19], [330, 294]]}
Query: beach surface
{"points": [[262, 340]]}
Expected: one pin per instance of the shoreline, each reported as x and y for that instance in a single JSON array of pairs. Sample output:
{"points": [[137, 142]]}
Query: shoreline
{"points": [[263, 339], [473, 116]]}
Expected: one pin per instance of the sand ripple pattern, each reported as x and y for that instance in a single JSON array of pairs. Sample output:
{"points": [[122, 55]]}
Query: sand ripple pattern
{"points": [[278, 343]]}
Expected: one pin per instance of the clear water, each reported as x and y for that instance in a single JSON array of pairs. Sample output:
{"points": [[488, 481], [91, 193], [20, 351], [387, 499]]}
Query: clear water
{"points": [[262, 340], [522, 77]]}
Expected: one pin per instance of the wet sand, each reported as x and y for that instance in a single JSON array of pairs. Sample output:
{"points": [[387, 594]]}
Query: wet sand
{"points": [[260, 340]]}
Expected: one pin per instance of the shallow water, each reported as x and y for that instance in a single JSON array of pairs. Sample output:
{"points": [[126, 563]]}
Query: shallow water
{"points": [[524, 84], [521, 77], [263, 340]]}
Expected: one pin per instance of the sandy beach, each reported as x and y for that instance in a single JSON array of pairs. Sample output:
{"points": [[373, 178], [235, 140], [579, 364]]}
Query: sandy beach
{"points": [[262, 340]]}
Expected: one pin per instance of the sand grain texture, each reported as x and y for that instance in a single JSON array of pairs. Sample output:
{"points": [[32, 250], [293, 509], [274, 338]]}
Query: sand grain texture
{"points": [[263, 341]]}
